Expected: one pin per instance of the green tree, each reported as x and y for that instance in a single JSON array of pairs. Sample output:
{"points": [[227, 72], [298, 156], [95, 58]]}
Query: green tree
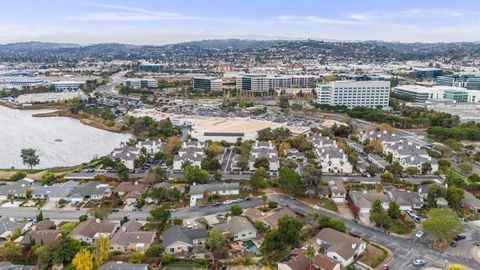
{"points": [[455, 196], [290, 182], [159, 218], [47, 178], [39, 216], [376, 207], [236, 210], [394, 210], [387, 177], [215, 240], [64, 250], [30, 157], [311, 176], [107, 114], [442, 224], [10, 251], [289, 229], [271, 242], [136, 257], [262, 162], [443, 164], [395, 168], [465, 167], [474, 178], [434, 193], [194, 174], [257, 179], [283, 102], [154, 251], [426, 168], [411, 171], [99, 212], [18, 176]]}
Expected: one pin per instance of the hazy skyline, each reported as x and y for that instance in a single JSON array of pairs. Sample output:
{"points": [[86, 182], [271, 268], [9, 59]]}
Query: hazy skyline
{"points": [[162, 22]]}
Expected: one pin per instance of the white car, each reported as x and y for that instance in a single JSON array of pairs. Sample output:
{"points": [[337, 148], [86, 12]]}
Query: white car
{"points": [[419, 234], [316, 207]]}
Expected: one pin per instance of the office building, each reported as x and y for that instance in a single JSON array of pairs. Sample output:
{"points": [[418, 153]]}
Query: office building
{"points": [[355, 93], [140, 83], [151, 67], [422, 93], [427, 73], [67, 85], [264, 83], [469, 81], [207, 84]]}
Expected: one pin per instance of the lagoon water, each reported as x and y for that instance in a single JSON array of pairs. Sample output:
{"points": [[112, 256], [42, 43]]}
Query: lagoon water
{"points": [[79, 143]]}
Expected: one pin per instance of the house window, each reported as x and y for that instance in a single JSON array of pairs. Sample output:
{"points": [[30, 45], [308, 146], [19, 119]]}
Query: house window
{"points": [[172, 250]]}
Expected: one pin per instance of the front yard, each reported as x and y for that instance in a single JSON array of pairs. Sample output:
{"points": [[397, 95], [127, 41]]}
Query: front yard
{"points": [[373, 255]]}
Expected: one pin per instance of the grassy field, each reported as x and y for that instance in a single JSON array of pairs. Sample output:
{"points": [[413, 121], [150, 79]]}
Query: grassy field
{"points": [[68, 227]]}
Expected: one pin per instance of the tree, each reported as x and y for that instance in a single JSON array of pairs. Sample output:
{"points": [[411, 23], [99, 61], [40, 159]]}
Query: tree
{"points": [[271, 242], [283, 102], [18, 176], [474, 178], [443, 164], [395, 168], [262, 162], [159, 218], [289, 229], [64, 250], [43, 254], [372, 169], [433, 194], [102, 249], [99, 212], [426, 167], [411, 171], [290, 182], [260, 226], [376, 207], [107, 114], [442, 224], [10, 251], [394, 210], [172, 145], [47, 178], [387, 177], [194, 174], [136, 257], [311, 176], [39, 217], [215, 240], [236, 210], [311, 254], [455, 196], [30, 157], [257, 179], [154, 251], [332, 223], [83, 260]]}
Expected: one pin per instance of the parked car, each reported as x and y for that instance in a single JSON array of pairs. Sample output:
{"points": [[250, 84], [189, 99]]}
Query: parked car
{"points": [[460, 237], [453, 243], [419, 262], [419, 234]]}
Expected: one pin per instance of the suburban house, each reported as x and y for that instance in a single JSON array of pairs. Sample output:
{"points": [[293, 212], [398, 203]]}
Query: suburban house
{"points": [[52, 193], [266, 150], [237, 228], [17, 189], [40, 237], [123, 266], [130, 237], [92, 190], [385, 137], [298, 260], [91, 229], [406, 200], [8, 226], [364, 199], [338, 193], [177, 239], [223, 189], [45, 224], [132, 191], [339, 246], [294, 155], [409, 154], [378, 161], [151, 146], [471, 202], [191, 151], [270, 218]]}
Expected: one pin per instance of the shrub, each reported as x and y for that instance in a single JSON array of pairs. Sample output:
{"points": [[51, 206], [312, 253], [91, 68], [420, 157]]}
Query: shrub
{"points": [[272, 204], [167, 258], [154, 251]]}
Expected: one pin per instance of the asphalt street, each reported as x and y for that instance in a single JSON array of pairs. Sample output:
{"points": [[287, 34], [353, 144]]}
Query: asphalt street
{"points": [[404, 250]]}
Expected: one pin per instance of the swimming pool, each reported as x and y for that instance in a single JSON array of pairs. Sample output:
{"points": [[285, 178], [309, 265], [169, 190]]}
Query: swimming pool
{"points": [[251, 246]]}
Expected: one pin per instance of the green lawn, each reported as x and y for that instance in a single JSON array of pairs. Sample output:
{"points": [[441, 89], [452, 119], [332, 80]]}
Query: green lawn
{"points": [[68, 227]]}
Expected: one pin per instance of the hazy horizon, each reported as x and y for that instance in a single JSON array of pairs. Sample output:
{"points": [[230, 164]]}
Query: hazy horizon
{"points": [[162, 22]]}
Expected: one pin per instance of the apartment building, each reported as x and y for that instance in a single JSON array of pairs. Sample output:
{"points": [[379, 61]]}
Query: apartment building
{"points": [[266, 150], [191, 151]]}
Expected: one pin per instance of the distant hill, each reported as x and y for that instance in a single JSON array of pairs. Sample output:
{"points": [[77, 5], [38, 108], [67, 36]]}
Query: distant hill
{"points": [[235, 44]]}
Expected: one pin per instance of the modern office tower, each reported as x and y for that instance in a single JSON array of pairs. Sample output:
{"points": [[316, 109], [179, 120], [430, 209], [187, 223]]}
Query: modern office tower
{"points": [[207, 84], [151, 67], [355, 93], [264, 83], [473, 83], [446, 80], [140, 83]]}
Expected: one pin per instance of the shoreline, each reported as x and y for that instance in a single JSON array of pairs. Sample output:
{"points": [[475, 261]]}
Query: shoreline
{"points": [[61, 112]]}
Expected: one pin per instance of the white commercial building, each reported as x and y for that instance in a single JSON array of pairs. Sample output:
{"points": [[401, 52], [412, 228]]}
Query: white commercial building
{"points": [[67, 85], [420, 93], [355, 93], [50, 97], [264, 83]]}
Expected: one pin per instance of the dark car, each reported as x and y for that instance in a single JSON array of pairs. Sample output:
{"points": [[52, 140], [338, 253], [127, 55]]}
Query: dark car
{"points": [[453, 243], [460, 237]]}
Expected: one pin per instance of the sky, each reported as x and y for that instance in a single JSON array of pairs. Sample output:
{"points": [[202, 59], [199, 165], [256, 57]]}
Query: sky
{"points": [[158, 22]]}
